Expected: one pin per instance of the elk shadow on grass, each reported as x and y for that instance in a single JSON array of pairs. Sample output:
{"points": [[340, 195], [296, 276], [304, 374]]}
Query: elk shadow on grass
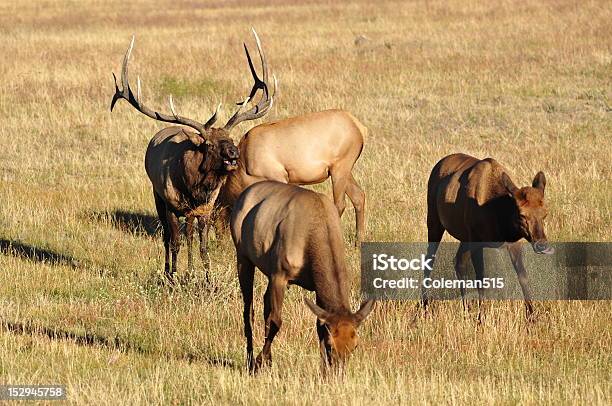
{"points": [[88, 339], [130, 222], [32, 253]]}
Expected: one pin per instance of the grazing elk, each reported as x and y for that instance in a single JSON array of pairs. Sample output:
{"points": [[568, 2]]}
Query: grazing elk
{"points": [[477, 203], [187, 168], [293, 236], [303, 150]]}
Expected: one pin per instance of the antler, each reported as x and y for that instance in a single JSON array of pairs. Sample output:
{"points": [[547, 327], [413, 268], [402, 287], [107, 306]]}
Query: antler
{"points": [[267, 99], [127, 94]]}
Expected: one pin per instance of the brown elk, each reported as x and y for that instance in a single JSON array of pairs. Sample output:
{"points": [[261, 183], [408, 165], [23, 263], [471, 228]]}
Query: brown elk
{"points": [[303, 150], [187, 168], [293, 236], [478, 204]]}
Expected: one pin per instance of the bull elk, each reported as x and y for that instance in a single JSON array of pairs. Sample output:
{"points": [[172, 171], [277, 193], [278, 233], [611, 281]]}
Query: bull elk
{"points": [[293, 236], [187, 168], [303, 150], [476, 202]]}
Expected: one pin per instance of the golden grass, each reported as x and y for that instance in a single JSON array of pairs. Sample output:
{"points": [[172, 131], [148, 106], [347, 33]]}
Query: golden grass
{"points": [[526, 83]]}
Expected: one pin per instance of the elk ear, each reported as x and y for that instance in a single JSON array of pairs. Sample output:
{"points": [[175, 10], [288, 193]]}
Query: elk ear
{"points": [[364, 311], [196, 139], [321, 314], [508, 184], [539, 181]]}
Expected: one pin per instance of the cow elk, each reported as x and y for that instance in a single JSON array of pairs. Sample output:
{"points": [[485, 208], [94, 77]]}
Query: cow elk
{"points": [[293, 236], [303, 150], [476, 202], [187, 168]]}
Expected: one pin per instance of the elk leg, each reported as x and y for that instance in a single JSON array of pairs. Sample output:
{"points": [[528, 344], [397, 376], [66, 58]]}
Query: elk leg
{"points": [[203, 227], [435, 231], [478, 261], [516, 256], [175, 242], [273, 305], [161, 212], [461, 260], [324, 346], [246, 273], [220, 220], [189, 232], [339, 184], [357, 196]]}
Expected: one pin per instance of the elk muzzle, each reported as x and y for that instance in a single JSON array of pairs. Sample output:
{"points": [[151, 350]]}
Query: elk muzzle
{"points": [[538, 239], [542, 247], [343, 340], [230, 155]]}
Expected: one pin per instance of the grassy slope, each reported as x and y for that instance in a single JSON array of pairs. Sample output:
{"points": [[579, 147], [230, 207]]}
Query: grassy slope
{"points": [[527, 84]]}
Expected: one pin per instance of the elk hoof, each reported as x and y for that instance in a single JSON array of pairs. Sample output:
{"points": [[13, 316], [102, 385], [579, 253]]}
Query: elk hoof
{"points": [[169, 278], [211, 288], [250, 365], [257, 365], [480, 318], [426, 308], [261, 362], [530, 315]]}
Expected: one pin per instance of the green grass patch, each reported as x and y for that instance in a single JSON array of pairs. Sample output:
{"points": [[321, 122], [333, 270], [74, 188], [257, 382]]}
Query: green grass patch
{"points": [[179, 87]]}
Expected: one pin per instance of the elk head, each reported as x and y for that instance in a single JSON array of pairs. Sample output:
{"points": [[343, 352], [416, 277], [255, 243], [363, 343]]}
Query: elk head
{"points": [[531, 211], [342, 337], [215, 143]]}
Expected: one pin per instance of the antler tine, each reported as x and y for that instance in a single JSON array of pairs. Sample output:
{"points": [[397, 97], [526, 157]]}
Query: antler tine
{"points": [[136, 101], [244, 103], [212, 118], [124, 70], [258, 82], [234, 119], [264, 64], [264, 104], [172, 106], [117, 94], [138, 89], [124, 92]]}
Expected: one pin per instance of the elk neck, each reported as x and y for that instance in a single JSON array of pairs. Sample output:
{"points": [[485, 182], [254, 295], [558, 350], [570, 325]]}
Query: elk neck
{"points": [[199, 177], [236, 182], [508, 219], [328, 267], [233, 186]]}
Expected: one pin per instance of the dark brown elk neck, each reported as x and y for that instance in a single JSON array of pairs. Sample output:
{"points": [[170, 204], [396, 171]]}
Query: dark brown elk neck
{"points": [[329, 272], [507, 215], [235, 184], [196, 178]]}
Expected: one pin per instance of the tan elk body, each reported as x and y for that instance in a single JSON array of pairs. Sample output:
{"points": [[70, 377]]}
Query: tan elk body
{"points": [[303, 150], [293, 236]]}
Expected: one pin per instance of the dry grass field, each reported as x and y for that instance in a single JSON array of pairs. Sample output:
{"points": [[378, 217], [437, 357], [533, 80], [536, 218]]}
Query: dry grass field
{"points": [[529, 83]]}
